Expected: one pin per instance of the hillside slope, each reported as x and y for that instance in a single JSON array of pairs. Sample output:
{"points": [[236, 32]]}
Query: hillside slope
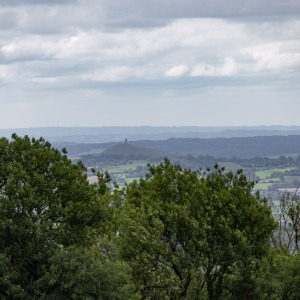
{"points": [[244, 147]]}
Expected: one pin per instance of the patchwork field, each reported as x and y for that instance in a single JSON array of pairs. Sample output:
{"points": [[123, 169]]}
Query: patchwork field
{"points": [[268, 172]]}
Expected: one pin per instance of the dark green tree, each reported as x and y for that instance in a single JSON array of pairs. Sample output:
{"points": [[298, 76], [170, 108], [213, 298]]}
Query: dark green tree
{"points": [[48, 210], [279, 276], [85, 273], [238, 226], [190, 235]]}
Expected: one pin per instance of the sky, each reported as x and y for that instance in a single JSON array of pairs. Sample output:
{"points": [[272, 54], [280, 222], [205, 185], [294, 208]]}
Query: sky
{"points": [[142, 62]]}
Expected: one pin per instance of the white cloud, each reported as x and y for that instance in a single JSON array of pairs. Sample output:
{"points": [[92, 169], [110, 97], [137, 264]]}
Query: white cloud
{"points": [[209, 47], [270, 57], [177, 71], [229, 67], [110, 74]]}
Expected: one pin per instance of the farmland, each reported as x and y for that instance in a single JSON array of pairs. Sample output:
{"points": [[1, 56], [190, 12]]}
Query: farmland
{"points": [[272, 162], [126, 170], [269, 172]]}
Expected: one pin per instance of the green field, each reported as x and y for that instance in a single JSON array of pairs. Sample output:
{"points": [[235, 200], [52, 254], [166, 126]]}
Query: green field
{"points": [[130, 166], [262, 186], [268, 173], [125, 173]]}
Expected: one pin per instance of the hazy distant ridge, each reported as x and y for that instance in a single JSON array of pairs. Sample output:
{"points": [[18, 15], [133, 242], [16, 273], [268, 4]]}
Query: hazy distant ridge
{"points": [[116, 134], [243, 147]]}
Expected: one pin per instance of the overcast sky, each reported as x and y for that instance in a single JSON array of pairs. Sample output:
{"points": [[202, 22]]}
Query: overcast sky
{"points": [[149, 62]]}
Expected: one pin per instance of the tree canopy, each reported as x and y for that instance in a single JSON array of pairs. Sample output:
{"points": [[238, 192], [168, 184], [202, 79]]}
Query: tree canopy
{"points": [[194, 235], [47, 207], [174, 234]]}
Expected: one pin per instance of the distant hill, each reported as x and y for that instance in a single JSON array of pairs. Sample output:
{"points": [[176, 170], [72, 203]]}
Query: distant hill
{"points": [[244, 147], [123, 152], [243, 142], [135, 133], [131, 151]]}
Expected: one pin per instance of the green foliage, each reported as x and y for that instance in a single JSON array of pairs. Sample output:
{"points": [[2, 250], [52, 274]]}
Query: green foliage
{"points": [[279, 276], [174, 234], [51, 220], [103, 183], [237, 228], [194, 235], [9, 287], [83, 273]]}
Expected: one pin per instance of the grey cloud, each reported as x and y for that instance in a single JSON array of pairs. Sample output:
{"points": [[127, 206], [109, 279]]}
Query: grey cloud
{"points": [[116, 14], [274, 28], [33, 2], [24, 58], [8, 20], [136, 23], [202, 8], [53, 18]]}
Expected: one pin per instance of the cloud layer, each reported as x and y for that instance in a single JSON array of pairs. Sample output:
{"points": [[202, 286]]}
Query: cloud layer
{"points": [[134, 48]]}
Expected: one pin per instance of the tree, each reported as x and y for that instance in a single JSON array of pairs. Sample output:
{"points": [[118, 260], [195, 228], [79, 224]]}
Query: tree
{"points": [[287, 214], [279, 276], [85, 273], [194, 235], [50, 219]]}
